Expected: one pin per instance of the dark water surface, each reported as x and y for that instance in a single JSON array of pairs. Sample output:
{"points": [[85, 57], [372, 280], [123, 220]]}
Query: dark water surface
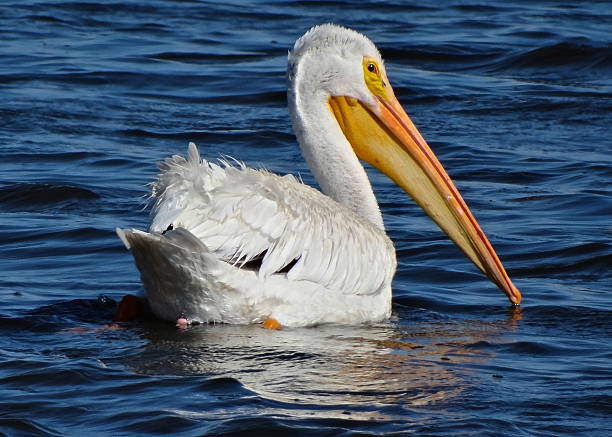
{"points": [[515, 98]]}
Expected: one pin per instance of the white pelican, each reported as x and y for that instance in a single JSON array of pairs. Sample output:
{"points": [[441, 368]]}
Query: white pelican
{"points": [[236, 245]]}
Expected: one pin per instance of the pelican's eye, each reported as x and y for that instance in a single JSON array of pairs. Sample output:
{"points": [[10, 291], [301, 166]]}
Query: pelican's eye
{"points": [[374, 77]]}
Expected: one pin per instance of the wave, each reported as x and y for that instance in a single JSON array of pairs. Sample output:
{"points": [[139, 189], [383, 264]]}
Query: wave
{"points": [[575, 55], [566, 57], [31, 195], [265, 138]]}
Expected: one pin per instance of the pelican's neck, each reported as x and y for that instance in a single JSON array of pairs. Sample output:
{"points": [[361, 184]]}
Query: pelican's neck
{"points": [[330, 156]]}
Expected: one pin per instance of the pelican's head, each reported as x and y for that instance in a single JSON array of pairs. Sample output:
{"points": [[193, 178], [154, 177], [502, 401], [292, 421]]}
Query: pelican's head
{"points": [[340, 61], [349, 75]]}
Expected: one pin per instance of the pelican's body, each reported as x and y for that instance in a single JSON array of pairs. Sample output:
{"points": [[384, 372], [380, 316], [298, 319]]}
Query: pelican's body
{"points": [[236, 245], [228, 216]]}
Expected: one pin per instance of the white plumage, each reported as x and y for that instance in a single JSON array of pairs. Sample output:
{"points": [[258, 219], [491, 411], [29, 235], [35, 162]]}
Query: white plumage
{"points": [[241, 213], [232, 244], [223, 216]]}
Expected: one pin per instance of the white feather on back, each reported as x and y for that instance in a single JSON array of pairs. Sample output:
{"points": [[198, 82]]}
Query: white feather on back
{"points": [[239, 213]]}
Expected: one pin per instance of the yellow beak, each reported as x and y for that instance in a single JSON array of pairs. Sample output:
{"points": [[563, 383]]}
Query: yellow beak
{"points": [[384, 136]]}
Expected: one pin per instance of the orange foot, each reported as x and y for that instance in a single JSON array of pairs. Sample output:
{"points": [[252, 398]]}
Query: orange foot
{"points": [[271, 323], [129, 308]]}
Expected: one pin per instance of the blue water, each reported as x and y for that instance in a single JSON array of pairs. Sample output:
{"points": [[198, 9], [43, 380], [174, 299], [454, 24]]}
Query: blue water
{"points": [[516, 100]]}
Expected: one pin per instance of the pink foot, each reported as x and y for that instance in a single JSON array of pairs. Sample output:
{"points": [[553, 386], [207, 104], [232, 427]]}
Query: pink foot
{"points": [[182, 322]]}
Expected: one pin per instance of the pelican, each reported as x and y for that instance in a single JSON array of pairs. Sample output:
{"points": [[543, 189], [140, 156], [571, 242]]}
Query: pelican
{"points": [[232, 244]]}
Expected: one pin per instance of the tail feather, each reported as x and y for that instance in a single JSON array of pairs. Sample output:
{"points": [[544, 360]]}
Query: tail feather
{"points": [[177, 271], [121, 234]]}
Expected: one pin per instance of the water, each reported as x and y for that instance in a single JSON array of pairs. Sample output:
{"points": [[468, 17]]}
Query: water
{"points": [[515, 99]]}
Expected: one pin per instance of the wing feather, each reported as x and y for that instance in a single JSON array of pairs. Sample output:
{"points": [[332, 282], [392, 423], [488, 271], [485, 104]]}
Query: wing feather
{"points": [[240, 213]]}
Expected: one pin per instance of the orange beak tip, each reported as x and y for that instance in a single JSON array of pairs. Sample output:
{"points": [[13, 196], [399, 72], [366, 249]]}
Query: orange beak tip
{"points": [[515, 296]]}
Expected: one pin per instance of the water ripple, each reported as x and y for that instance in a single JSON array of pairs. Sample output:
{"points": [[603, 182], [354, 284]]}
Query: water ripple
{"points": [[514, 99]]}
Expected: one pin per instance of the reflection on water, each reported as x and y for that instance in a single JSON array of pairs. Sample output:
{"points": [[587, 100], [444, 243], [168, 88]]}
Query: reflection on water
{"points": [[334, 366]]}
